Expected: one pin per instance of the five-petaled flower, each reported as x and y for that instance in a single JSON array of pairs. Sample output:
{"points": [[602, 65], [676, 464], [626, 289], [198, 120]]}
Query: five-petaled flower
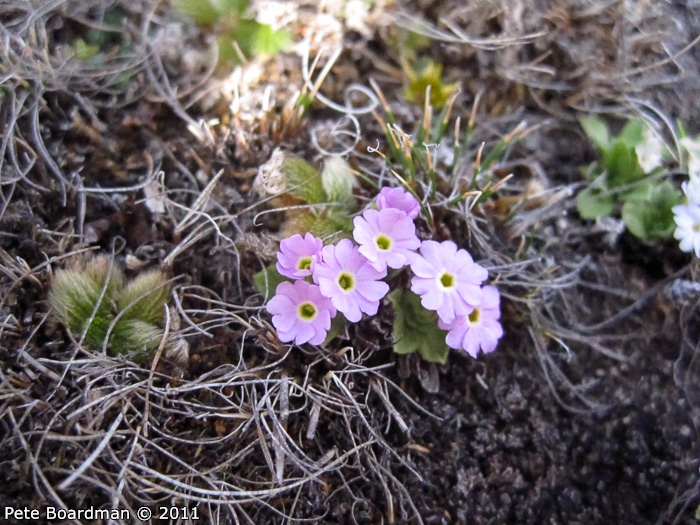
{"points": [[447, 279], [398, 199], [298, 255], [301, 313], [386, 237], [478, 329], [346, 277]]}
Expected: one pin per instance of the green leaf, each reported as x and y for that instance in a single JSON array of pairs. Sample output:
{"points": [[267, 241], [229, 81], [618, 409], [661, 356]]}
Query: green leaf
{"points": [[254, 38], [651, 219], [201, 11], [633, 133], [85, 51], [593, 203], [597, 131], [641, 191], [621, 164], [332, 224], [303, 180], [266, 281], [225, 7], [416, 329]]}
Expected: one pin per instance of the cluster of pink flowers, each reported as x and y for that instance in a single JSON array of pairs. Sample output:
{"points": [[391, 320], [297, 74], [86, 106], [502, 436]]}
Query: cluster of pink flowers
{"points": [[347, 278]]}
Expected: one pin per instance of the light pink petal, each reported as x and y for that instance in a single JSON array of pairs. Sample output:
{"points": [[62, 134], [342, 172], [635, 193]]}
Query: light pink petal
{"points": [[422, 286], [446, 310], [491, 298], [369, 252], [368, 307], [433, 300], [350, 309], [304, 332], [372, 218], [372, 290], [470, 343], [286, 336], [280, 304], [488, 340], [494, 327], [422, 268], [395, 223], [455, 337], [328, 288], [344, 252], [395, 260], [368, 273], [438, 253], [284, 322], [470, 294], [319, 336], [324, 319]]}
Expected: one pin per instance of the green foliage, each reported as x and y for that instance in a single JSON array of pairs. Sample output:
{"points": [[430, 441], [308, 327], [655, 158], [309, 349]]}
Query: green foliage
{"points": [[84, 51], [331, 190], [267, 280], [93, 298], [303, 180], [413, 159], [619, 180], [649, 216], [593, 203], [236, 34], [424, 74], [416, 329]]}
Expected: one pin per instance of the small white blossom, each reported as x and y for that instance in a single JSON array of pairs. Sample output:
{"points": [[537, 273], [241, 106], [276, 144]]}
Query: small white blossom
{"points": [[691, 188], [693, 149], [650, 152], [687, 217]]}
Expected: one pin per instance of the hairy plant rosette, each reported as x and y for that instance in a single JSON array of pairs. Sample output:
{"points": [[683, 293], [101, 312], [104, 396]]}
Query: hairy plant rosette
{"points": [[447, 279], [478, 330], [386, 237], [298, 255], [348, 279], [301, 313], [398, 199]]}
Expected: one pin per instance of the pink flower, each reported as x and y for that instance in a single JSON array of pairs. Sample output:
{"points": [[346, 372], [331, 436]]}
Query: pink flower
{"points": [[398, 199], [349, 281], [301, 313], [386, 237], [298, 255], [447, 279], [479, 329]]}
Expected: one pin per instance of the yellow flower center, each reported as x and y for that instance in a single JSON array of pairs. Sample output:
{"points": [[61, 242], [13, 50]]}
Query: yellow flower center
{"points": [[307, 311], [304, 263], [475, 316], [447, 280], [346, 281], [383, 242]]}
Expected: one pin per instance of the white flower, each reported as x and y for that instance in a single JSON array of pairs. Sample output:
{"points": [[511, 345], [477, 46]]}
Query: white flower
{"points": [[693, 149], [650, 152], [687, 217], [691, 188]]}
